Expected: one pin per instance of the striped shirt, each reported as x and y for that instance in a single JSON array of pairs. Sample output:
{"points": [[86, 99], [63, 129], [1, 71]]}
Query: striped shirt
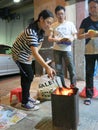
{"points": [[31, 36]]}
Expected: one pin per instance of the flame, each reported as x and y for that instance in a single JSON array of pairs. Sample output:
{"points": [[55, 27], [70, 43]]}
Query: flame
{"points": [[64, 91]]}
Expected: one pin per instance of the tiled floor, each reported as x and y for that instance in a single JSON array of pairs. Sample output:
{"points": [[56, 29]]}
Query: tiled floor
{"points": [[7, 83], [42, 119]]}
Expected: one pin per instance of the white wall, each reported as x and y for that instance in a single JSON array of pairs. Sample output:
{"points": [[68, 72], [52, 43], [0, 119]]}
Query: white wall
{"points": [[71, 13], [78, 46]]}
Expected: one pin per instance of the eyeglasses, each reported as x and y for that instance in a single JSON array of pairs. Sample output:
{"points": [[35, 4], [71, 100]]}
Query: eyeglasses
{"points": [[60, 14]]}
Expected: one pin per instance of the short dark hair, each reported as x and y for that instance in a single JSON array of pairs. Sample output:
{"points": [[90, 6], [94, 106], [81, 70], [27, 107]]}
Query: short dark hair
{"points": [[45, 14], [96, 1], [58, 8]]}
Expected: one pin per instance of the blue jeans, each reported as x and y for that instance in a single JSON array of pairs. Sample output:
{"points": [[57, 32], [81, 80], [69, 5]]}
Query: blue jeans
{"points": [[90, 65], [66, 56]]}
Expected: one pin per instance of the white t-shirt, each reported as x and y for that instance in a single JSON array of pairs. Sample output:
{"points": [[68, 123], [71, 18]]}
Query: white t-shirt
{"points": [[63, 30]]}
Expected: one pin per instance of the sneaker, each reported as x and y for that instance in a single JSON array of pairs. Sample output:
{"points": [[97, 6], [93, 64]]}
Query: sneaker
{"points": [[87, 101], [30, 106], [34, 101]]}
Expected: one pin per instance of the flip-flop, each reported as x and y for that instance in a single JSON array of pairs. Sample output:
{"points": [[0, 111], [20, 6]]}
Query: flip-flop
{"points": [[87, 101]]}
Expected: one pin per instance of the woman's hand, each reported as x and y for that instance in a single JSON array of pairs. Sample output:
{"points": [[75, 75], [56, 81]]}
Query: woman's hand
{"points": [[51, 72], [30, 58]]}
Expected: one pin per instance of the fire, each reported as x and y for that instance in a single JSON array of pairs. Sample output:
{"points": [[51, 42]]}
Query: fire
{"points": [[64, 91]]}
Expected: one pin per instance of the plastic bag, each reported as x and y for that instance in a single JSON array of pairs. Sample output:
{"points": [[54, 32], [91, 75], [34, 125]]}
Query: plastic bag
{"points": [[83, 93], [47, 86]]}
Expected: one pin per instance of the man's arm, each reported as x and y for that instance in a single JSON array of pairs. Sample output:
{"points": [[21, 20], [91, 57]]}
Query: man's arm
{"points": [[52, 38]]}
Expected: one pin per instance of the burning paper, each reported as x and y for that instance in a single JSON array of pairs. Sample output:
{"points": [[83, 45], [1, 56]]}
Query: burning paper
{"points": [[64, 91]]}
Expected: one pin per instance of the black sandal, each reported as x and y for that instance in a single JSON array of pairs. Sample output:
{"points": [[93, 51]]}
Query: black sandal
{"points": [[87, 101]]}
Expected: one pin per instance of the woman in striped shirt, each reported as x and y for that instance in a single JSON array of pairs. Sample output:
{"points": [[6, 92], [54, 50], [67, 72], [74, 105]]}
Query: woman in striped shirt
{"points": [[25, 49]]}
